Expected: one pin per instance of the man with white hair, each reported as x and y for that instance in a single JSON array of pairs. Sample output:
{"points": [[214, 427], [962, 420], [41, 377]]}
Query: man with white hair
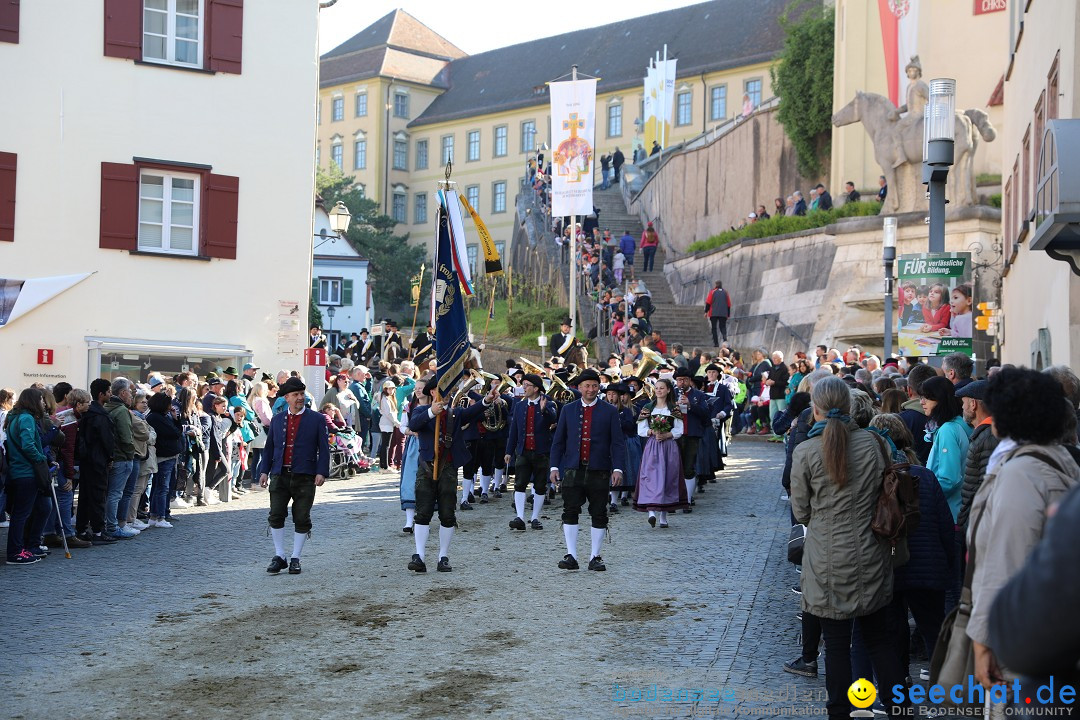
{"points": [[778, 385]]}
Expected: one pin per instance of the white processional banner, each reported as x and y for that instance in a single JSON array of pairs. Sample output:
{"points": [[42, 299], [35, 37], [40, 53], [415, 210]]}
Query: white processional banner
{"points": [[573, 130]]}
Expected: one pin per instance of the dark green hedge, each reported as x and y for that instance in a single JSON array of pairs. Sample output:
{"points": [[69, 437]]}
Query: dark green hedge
{"points": [[784, 224]]}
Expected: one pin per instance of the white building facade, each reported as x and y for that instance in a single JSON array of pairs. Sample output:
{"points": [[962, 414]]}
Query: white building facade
{"points": [[339, 282], [146, 222]]}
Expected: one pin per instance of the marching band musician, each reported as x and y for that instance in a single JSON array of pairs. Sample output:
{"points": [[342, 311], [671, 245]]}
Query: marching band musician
{"points": [[494, 428], [587, 453], [694, 405], [723, 407], [529, 440], [452, 455]]}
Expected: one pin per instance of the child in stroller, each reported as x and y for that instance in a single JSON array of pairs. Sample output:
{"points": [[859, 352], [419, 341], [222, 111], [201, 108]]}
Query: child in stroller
{"points": [[346, 457]]}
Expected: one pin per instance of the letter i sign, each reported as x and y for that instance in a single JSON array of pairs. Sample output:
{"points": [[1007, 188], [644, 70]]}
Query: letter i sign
{"points": [[45, 356]]}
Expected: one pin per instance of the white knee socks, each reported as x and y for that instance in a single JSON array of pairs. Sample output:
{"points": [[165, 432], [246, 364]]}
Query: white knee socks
{"points": [[597, 541], [410, 513], [614, 495], [497, 481], [466, 488], [537, 506], [445, 535], [652, 513], [691, 483], [420, 533], [519, 504], [484, 482], [570, 533], [278, 534], [298, 544], [663, 517]]}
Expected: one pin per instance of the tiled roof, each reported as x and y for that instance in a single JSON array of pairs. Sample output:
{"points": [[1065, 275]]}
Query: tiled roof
{"points": [[398, 29], [711, 36]]}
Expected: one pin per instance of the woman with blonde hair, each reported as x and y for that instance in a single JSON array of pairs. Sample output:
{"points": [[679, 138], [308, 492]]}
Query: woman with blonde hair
{"points": [[259, 402], [388, 418]]}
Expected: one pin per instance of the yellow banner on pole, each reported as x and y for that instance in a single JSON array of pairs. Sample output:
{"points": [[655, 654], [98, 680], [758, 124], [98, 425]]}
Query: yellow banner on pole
{"points": [[492, 262]]}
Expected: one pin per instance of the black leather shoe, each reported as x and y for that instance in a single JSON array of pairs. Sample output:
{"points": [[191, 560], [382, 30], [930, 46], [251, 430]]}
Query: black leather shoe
{"points": [[625, 501], [502, 488], [470, 498], [465, 506], [416, 564], [407, 530], [613, 509], [102, 539], [652, 520], [484, 499], [444, 565], [597, 563], [536, 525], [497, 494], [294, 566], [569, 563], [277, 564], [687, 510], [517, 524]]}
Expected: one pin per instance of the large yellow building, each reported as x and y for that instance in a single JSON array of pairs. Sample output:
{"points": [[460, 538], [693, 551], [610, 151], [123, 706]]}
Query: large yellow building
{"points": [[397, 100]]}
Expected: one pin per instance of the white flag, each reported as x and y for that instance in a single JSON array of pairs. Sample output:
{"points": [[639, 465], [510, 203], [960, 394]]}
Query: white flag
{"points": [[573, 129]]}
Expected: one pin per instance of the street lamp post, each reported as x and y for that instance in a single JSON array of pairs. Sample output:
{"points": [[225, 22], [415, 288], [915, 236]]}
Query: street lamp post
{"points": [[330, 314], [939, 126], [888, 256], [339, 223]]}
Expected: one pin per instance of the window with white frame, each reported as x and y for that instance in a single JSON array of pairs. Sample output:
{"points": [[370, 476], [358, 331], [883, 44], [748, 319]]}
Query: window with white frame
{"points": [[336, 154], [500, 247], [329, 291], [360, 154], [472, 194], [684, 104], [614, 121], [421, 155], [337, 109], [473, 146], [498, 197], [447, 149], [718, 103], [753, 89], [168, 212], [500, 141], [420, 209], [528, 136], [173, 32], [471, 251], [401, 154], [400, 209], [401, 105], [361, 104]]}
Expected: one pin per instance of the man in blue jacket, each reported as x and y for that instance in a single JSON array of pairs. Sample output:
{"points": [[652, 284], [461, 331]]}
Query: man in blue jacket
{"points": [[530, 442], [452, 455], [694, 405], [295, 461], [586, 452]]}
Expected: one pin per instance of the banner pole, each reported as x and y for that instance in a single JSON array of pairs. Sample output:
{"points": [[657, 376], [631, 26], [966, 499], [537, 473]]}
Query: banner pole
{"points": [[438, 439], [491, 309], [416, 309]]}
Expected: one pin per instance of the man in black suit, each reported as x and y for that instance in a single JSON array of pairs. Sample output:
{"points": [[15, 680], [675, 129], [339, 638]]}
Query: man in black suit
{"points": [[423, 346], [562, 341], [368, 349], [694, 405], [530, 442], [393, 345]]}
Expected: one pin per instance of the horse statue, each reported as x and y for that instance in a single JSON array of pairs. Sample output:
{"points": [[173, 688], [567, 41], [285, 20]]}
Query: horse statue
{"points": [[899, 151]]}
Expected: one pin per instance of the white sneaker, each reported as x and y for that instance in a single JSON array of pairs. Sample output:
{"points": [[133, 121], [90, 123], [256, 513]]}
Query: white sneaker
{"points": [[129, 528], [924, 674], [160, 523], [178, 504], [139, 525], [212, 498], [125, 532], [4, 523]]}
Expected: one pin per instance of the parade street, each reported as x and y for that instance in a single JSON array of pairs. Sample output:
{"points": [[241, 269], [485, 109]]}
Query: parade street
{"points": [[187, 620]]}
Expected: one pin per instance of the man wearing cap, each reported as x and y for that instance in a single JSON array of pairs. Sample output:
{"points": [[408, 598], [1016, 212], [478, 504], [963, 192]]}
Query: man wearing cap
{"points": [[980, 446], [295, 461], [717, 310], [562, 341], [452, 455], [694, 405], [587, 453], [247, 381], [530, 442]]}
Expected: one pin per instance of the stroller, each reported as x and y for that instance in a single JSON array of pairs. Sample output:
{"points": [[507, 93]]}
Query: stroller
{"points": [[346, 459]]}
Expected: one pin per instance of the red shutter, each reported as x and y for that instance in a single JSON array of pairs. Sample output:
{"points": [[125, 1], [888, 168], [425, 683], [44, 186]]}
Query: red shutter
{"points": [[9, 21], [119, 206], [220, 216], [123, 29], [225, 28], [7, 196]]}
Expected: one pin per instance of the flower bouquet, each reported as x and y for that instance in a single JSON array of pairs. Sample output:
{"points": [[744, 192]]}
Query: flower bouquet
{"points": [[660, 424]]}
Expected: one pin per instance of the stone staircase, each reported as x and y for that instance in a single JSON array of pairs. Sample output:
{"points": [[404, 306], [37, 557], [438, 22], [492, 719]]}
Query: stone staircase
{"points": [[683, 324]]}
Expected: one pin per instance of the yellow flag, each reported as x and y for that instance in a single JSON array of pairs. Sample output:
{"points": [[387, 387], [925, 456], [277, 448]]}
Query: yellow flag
{"points": [[492, 262]]}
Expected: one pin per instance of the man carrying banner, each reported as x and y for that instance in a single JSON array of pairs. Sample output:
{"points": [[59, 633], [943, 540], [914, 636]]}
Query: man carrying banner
{"points": [[586, 453]]}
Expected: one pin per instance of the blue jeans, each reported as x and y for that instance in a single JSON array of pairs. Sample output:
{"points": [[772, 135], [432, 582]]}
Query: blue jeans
{"points": [[606, 174], [159, 490], [24, 499], [650, 254], [129, 491], [119, 472], [376, 441], [65, 500]]}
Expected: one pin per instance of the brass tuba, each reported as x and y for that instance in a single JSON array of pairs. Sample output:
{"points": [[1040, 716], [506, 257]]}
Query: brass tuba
{"points": [[496, 416], [531, 367], [558, 391]]}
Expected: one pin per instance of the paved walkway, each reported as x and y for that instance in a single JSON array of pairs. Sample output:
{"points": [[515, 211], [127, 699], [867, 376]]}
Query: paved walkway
{"points": [[186, 623]]}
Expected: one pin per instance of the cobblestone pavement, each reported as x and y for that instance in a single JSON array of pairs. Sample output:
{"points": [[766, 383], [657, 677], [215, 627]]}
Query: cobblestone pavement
{"points": [[186, 623]]}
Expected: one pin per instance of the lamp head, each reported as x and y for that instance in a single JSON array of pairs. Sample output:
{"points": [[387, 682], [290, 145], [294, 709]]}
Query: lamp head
{"points": [[339, 218]]}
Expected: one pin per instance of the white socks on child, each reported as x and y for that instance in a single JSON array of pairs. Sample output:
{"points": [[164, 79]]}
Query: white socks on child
{"points": [[420, 533], [570, 533], [497, 481], [445, 535]]}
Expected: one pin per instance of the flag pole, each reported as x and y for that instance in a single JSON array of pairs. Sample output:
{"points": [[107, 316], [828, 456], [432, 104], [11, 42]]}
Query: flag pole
{"points": [[416, 309], [491, 309], [573, 252]]}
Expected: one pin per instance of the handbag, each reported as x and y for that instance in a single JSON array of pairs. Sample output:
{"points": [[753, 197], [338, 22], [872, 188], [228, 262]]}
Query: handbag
{"points": [[795, 543]]}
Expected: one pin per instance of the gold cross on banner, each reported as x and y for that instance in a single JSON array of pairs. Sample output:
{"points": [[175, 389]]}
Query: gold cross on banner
{"points": [[573, 124]]}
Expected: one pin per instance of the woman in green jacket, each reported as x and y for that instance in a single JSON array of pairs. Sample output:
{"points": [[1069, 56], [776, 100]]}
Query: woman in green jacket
{"points": [[25, 497]]}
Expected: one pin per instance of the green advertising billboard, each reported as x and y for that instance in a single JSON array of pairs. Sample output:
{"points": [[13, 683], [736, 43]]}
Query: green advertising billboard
{"points": [[934, 304]]}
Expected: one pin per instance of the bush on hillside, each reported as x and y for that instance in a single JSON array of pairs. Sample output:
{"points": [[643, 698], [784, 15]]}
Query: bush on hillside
{"points": [[784, 224], [527, 321]]}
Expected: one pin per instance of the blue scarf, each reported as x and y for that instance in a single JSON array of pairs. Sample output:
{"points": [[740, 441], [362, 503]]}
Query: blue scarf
{"points": [[897, 456], [819, 426]]}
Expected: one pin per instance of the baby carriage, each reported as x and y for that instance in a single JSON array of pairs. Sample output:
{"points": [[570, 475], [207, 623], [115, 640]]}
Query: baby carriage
{"points": [[345, 456]]}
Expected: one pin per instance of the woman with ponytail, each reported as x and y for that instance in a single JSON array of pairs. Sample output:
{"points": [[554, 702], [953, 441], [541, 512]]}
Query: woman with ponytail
{"points": [[836, 478]]}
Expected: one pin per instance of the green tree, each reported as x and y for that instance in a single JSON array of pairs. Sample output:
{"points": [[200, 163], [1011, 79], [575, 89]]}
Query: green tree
{"points": [[803, 80], [393, 260]]}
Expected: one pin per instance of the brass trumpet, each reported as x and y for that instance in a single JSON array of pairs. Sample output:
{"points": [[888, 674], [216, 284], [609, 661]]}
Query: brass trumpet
{"points": [[531, 367], [558, 391]]}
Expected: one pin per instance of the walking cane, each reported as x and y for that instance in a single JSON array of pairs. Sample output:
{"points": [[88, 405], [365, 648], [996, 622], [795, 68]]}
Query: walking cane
{"points": [[60, 519]]}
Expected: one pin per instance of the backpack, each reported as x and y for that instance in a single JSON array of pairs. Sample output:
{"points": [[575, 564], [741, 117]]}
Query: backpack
{"points": [[896, 514]]}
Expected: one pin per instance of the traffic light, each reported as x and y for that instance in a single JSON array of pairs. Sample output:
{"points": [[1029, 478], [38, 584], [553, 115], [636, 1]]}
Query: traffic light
{"points": [[988, 318]]}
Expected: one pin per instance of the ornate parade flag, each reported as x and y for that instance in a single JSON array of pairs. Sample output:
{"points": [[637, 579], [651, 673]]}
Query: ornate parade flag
{"points": [[573, 128], [492, 261], [447, 303], [659, 101], [899, 36]]}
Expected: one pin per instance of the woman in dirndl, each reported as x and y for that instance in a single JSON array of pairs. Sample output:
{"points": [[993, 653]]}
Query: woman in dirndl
{"points": [[660, 487]]}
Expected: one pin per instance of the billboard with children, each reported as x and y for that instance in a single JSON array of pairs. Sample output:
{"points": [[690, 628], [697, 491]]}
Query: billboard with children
{"points": [[935, 303]]}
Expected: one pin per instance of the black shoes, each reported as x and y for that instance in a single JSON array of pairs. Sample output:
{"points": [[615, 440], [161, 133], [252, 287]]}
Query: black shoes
{"points": [[796, 589], [102, 539], [517, 524], [294, 566], [470, 498], [416, 564], [687, 510], [484, 499], [497, 493], [663, 525], [465, 506], [444, 565], [625, 501], [536, 525], [277, 564], [407, 530], [798, 667], [652, 520], [569, 562], [597, 563], [613, 509]]}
